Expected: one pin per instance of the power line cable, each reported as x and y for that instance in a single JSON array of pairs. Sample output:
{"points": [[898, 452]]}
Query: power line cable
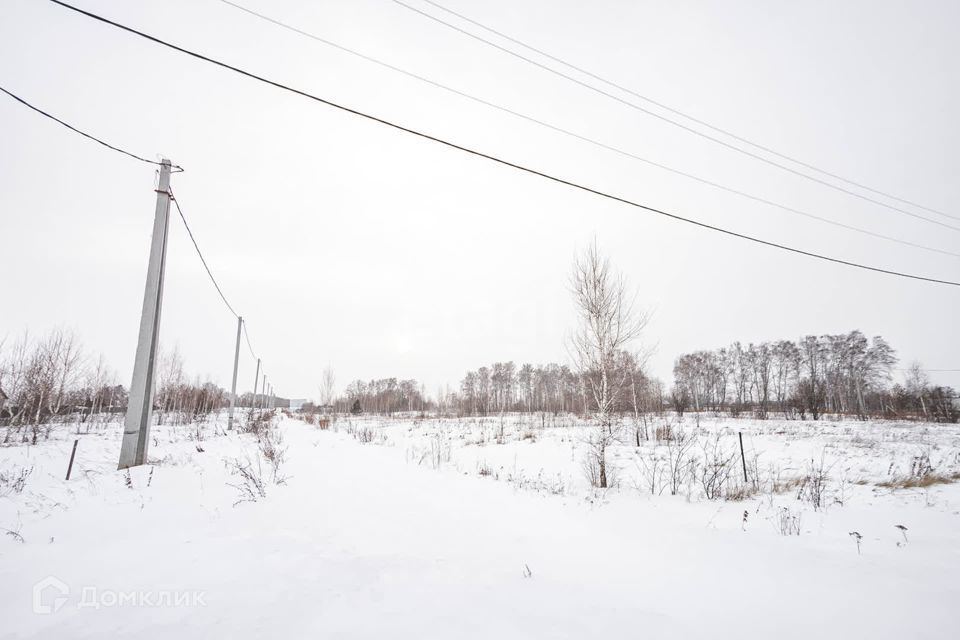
{"points": [[583, 138], [490, 157], [683, 114], [243, 323], [668, 120], [83, 133], [175, 201], [172, 198], [200, 253], [247, 338]]}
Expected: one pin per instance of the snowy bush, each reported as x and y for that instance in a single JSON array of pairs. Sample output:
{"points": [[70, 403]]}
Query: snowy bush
{"points": [[14, 480], [264, 467], [440, 451], [788, 522], [251, 486], [652, 468], [716, 468], [257, 421], [680, 462], [813, 486], [270, 444]]}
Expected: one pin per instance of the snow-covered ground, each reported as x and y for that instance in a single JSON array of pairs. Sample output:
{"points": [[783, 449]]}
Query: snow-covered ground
{"points": [[473, 529]]}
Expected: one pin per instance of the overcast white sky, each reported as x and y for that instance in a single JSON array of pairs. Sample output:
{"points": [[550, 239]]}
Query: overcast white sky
{"points": [[344, 242]]}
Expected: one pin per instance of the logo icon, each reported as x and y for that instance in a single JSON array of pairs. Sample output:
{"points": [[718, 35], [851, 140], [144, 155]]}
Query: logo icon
{"points": [[49, 595]]}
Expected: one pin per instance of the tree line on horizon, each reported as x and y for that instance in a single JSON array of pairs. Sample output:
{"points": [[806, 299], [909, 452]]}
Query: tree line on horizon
{"points": [[843, 374], [51, 378]]}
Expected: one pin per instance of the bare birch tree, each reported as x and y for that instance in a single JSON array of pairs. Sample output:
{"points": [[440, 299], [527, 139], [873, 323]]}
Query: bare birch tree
{"points": [[328, 387], [608, 323]]}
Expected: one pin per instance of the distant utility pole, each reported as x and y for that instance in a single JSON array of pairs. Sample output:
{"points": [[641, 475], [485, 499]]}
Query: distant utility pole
{"points": [[262, 400], [236, 361], [256, 380], [136, 425]]}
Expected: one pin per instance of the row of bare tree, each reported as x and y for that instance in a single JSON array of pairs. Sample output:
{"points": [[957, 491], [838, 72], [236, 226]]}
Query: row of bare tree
{"points": [[844, 374], [552, 388], [51, 378], [384, 396]]}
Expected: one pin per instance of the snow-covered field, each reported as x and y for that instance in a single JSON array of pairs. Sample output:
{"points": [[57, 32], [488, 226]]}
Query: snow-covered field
{"points": [[488, 529]]}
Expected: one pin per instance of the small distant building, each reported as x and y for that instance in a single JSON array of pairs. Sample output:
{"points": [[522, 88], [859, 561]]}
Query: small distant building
{"points": [[297, 403]]}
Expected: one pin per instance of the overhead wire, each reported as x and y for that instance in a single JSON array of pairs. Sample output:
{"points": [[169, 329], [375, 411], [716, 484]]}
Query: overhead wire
{"points": [[668, 120], [216, 285], [492, 158], [678, 112], [170, 194], [584, 138], [84, 133], [213, 280], [247, 338]]}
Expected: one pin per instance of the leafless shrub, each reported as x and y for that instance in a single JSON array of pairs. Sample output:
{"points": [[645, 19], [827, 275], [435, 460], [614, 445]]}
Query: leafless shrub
{"points": [[364, 435], [716, 468], [539, 483], [270, 444], [680, 462], [813, 485], [438, 453], [440, 450], [920, 466], [14, 480], [753, 472], [257, 422], [788, 523], [251, 486], [266, 466], [652, 469]]}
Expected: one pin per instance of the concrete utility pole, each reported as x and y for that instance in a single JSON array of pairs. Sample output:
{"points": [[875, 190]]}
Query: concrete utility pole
{"points": [[262, 400], [136, 425], [256, 380], [236, 361]]}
